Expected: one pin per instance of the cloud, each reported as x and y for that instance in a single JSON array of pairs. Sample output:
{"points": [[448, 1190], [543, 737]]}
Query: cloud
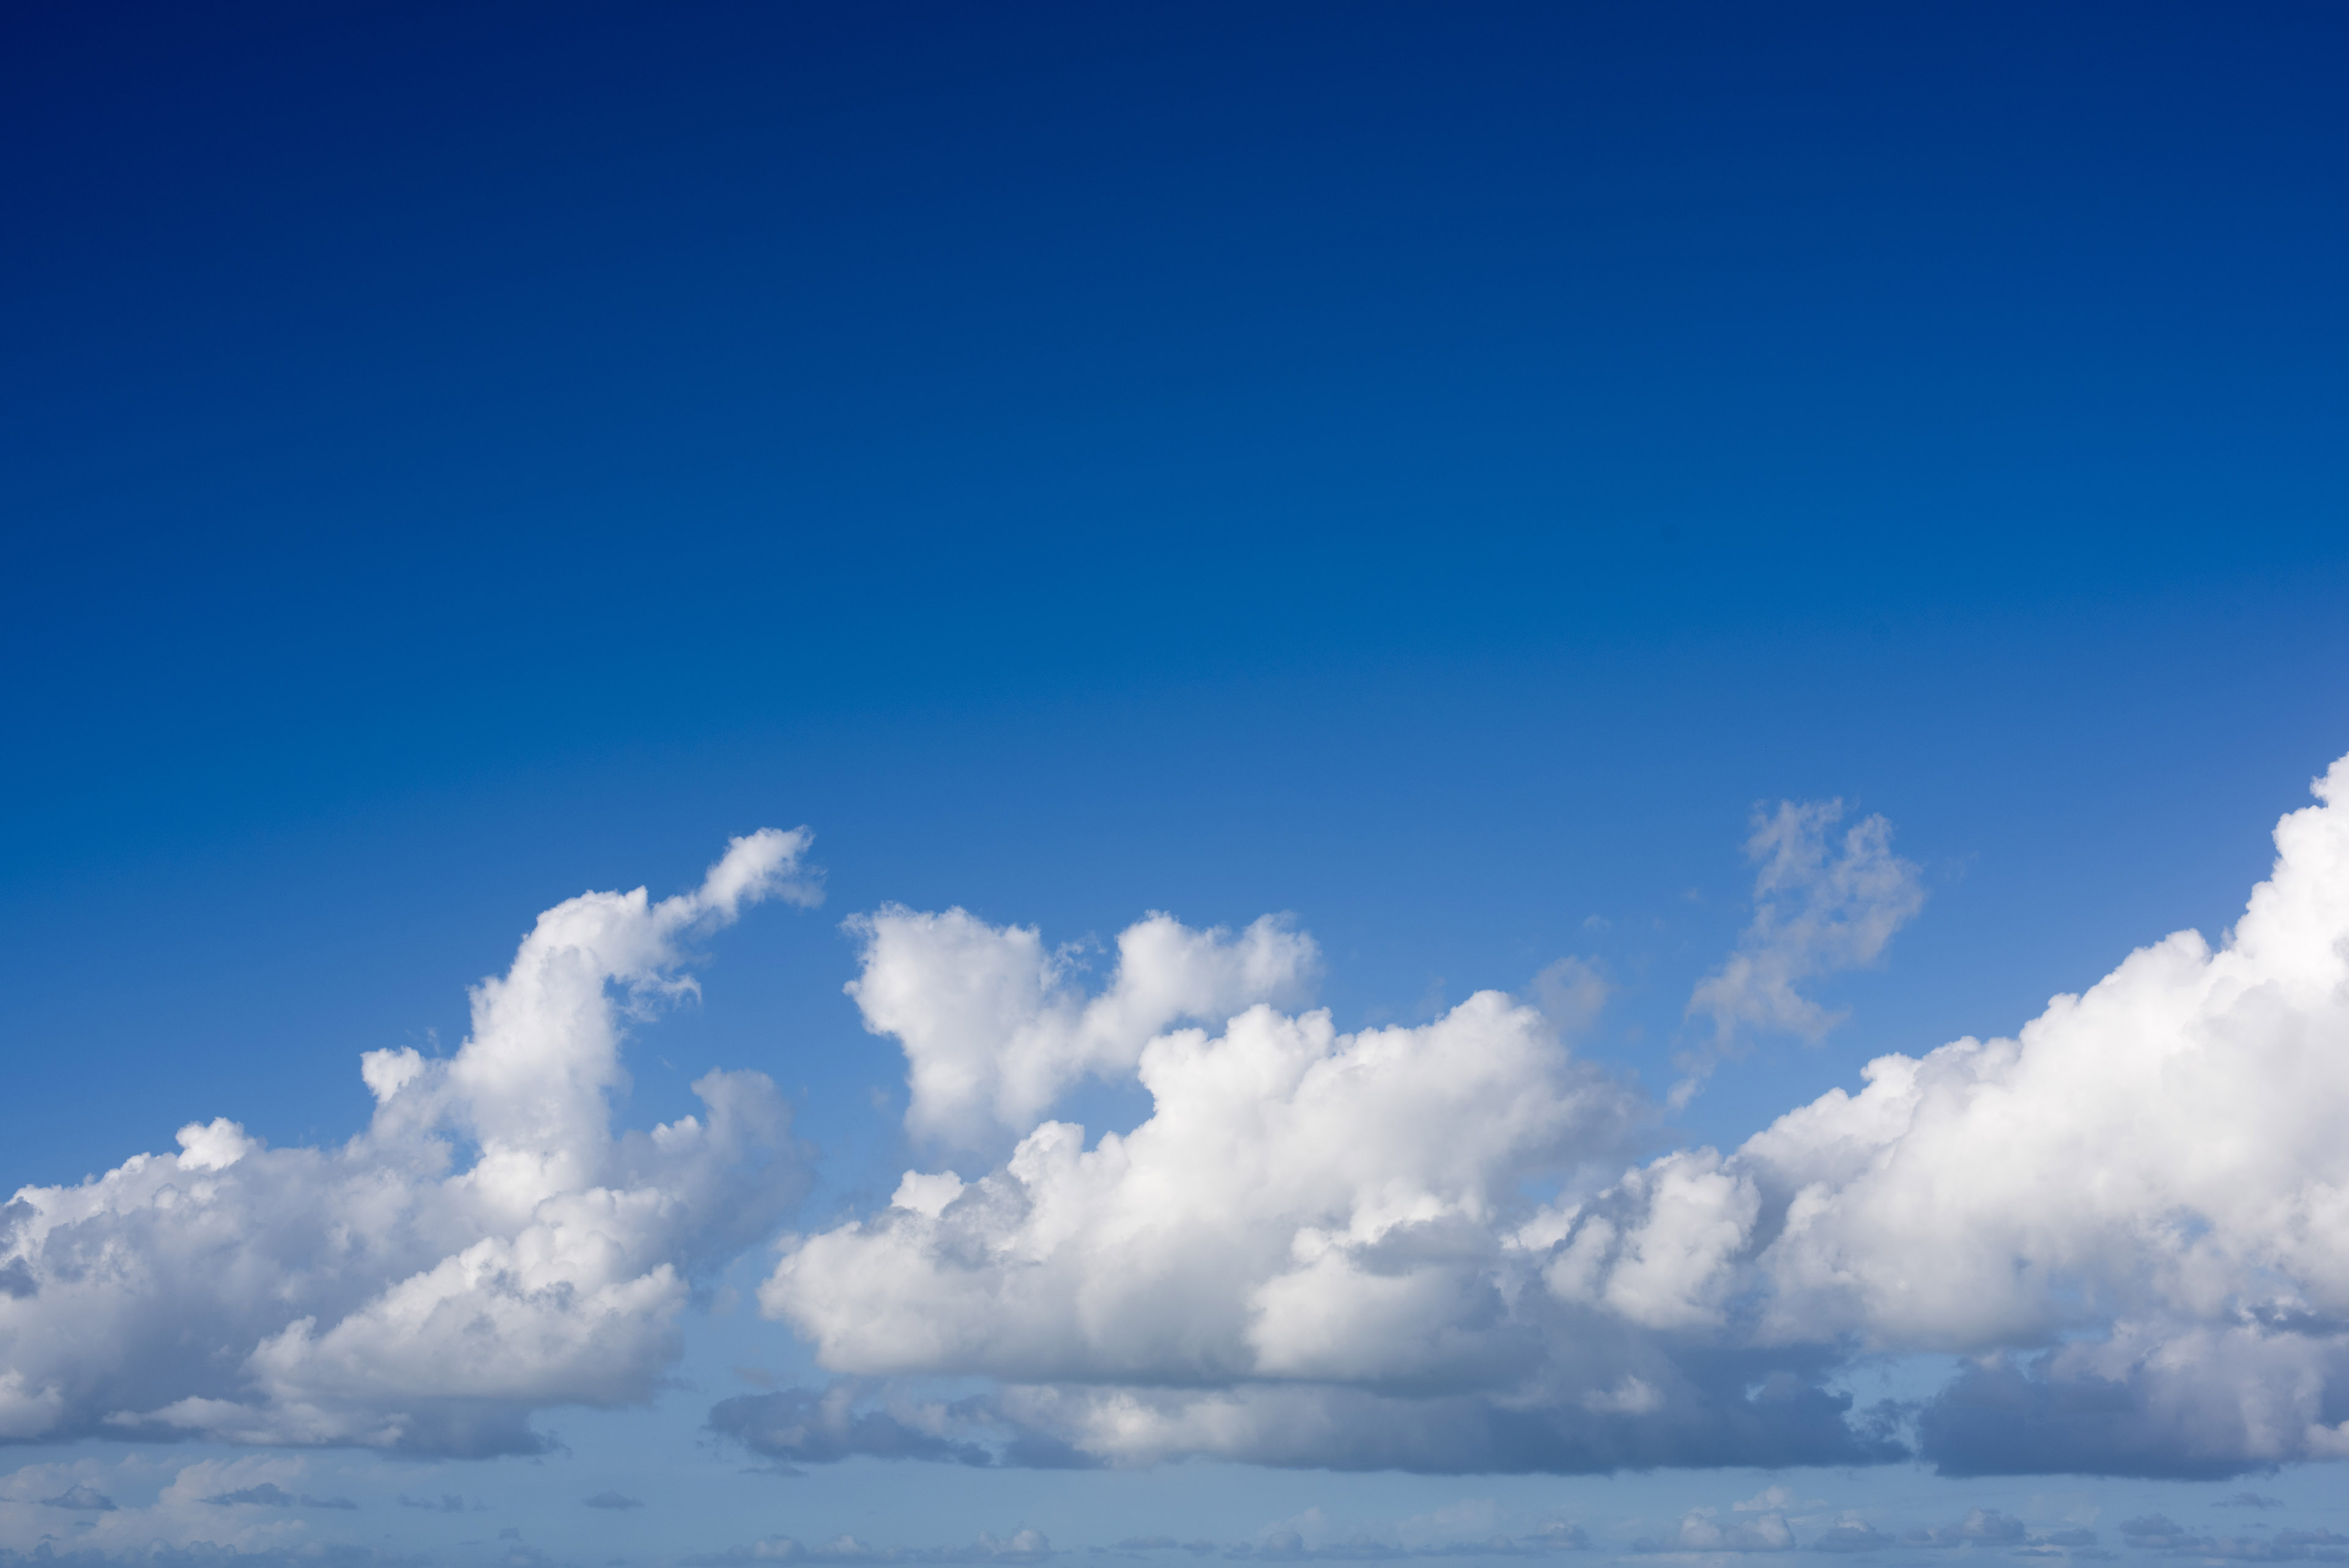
{"points": [[1853, 1535], [800, 1425], [2157, 1535], [1020, 1546], [447, 1502], [2130, 1219], [486, 1248], [250, 1508], [1981, 1527], [613, 1501], [1700, 1530], [269, 1494], [1289, 1546], [1820, 906], [1309, 1254], [2249, 1500], [995, 1027]]}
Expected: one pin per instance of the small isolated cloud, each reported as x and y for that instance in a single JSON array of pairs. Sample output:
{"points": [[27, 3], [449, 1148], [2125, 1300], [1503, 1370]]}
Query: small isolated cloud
{"points": [[1571, 993], [447, 1502], [1822, 905], [81, 1497], [2249, 1500], [613, 1499]]}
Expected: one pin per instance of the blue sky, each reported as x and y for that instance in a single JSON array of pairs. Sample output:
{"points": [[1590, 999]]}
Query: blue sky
{"points": [[1441, 475]]}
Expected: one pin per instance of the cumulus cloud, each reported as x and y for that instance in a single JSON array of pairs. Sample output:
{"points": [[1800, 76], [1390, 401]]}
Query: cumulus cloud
{"points": [[1822, 905], [614, 1501], [1853, 1535], [995, 1026], [487, 1248], [1309, 1253], [1702, 1530], [2131, 1220]]}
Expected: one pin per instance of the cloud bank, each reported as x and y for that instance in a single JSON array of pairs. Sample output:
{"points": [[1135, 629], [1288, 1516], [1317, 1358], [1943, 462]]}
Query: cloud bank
{"points": [[486, 1248], [1327, 1249]]}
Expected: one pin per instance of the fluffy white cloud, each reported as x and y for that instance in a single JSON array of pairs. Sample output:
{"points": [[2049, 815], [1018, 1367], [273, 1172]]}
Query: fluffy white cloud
{"points": [[995, 1027], [1320, 1249], [1311, 1253], [2145, 1192], [387, 1293], [1302, 1204]]}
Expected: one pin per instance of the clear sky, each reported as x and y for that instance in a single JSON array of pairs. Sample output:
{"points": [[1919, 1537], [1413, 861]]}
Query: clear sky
{"points": [[1295, 688]]}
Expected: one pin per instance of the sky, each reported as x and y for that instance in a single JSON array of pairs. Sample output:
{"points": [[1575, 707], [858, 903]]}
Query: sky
{"points": [[914, 784]]}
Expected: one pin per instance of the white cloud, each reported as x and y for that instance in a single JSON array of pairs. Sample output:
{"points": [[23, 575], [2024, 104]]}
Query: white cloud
{"points": [[2132, 1217], [1820, 906], [995, 1027], [383, 1294], [1703, 1531], [1302, 1204], [2137, 1209]]}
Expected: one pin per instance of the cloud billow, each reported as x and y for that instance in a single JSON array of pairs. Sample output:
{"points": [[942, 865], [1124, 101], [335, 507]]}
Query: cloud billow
{"points": [[1421, 1248], [385, 1294], [2133, 1218]]}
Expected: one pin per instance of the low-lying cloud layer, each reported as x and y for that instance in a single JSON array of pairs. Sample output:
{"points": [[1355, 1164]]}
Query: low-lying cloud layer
{"points": [[1423, 1247], [393, 1293], [2133, 1218]]}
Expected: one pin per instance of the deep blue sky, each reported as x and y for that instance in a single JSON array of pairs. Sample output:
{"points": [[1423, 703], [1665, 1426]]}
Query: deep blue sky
{"points": [[1432, 469]]}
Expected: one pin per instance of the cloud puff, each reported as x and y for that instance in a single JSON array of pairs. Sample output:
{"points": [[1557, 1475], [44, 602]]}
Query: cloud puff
{"points": [[485, 1248], [1702, 1531], [995, 1028], [1821, 906], [616, 1501], [1309, 1255], [2132, 1219]]}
